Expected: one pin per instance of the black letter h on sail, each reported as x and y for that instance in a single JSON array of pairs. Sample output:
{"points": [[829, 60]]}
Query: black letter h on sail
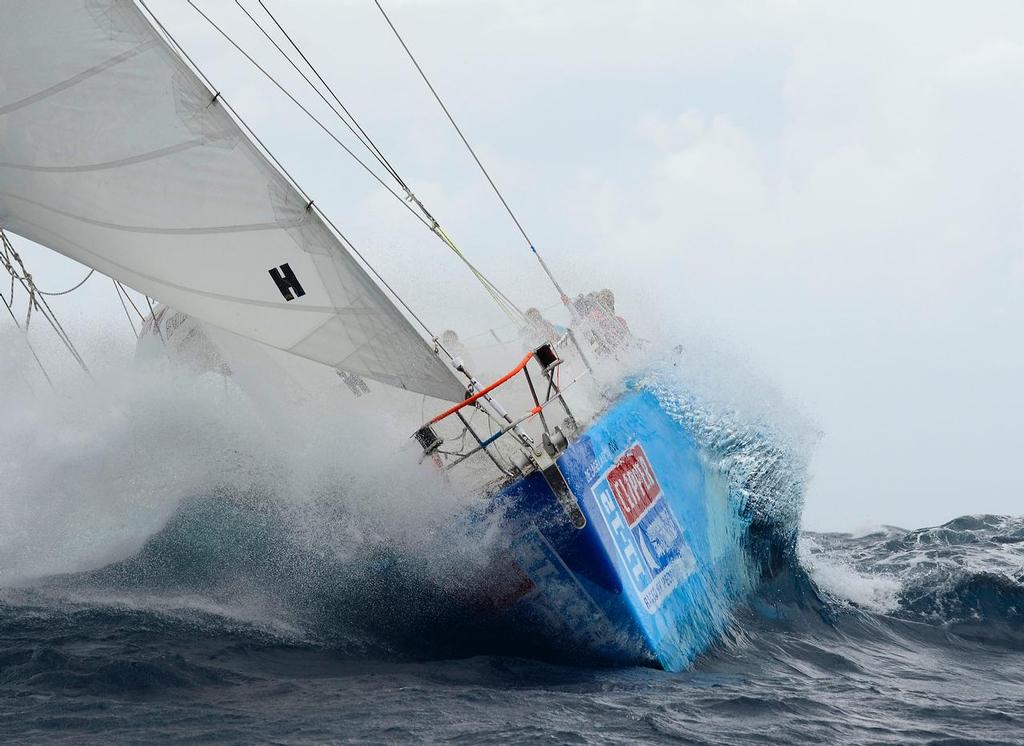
{"points": [[287, 282]]}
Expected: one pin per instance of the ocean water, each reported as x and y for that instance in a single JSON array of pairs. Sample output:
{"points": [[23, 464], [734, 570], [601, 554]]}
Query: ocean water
{"points": [[169, 573], [890, 637]]}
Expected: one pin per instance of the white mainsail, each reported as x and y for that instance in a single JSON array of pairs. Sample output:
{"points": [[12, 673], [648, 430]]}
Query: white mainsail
{"points": [[114, 153]]}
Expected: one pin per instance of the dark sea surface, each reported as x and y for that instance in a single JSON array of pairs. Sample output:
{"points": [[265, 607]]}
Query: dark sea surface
{"points": [[174, 571], [216, 632]]}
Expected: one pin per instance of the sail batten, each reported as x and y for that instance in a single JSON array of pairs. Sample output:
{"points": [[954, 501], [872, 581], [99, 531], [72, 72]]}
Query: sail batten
{"points": [[172, 231], [114, 153], [127, 161], [76, 79]]}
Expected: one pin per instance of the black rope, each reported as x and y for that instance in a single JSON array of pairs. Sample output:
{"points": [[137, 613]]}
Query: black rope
{"points": [[69, 290]]}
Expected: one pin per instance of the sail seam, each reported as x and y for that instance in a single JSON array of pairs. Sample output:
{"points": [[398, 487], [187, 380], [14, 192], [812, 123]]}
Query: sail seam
{"points": [[106, 165], [209, 230], [336, 312], [76, 79], [316, 330], [203, 265], [331, 310], [428, 220], [346, 246]]}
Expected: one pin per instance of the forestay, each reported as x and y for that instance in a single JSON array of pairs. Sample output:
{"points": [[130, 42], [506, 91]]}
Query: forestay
{"points": [[113, 152]]}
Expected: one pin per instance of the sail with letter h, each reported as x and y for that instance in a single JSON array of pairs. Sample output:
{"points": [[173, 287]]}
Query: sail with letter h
{"points": [[115, 153]]}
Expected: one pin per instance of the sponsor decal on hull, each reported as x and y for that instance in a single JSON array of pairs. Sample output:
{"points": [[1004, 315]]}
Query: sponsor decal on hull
{"points": [[553, 593], [646, 533]]}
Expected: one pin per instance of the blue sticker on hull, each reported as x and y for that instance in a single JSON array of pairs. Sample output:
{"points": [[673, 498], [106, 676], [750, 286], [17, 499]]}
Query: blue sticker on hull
{"points": [[646, 533]]}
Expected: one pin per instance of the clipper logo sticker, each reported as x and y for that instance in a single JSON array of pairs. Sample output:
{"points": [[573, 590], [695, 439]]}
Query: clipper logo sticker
{"points": [[633, 483], [645, 531]]}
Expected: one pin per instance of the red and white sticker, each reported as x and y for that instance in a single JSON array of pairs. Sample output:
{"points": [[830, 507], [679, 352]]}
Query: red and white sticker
{"points": [[634, 484]]}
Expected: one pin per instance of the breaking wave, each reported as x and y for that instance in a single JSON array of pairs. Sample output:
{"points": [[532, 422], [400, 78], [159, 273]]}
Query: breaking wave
{"points": [[166, 519]]}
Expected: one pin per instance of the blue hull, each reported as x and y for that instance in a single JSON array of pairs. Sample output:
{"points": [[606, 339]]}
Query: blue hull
{"points": [[650, 566]]}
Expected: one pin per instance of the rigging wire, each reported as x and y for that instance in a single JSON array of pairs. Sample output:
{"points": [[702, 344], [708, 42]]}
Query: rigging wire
{"points": [[8, 257], [131, 323], [138, 313], [319, 212], [273, 159], [427, 219], [444, 108], [499, 297], [69, 290], [156, 321], [301, 106], [361, 134], [28, 342]]}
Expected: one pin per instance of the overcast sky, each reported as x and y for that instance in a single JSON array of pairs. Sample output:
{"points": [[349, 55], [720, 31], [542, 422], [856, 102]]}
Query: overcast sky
{"points": [[833, 192]]}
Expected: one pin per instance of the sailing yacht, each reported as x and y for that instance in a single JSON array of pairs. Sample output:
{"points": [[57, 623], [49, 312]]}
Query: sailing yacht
{"points": [[116, 151]]}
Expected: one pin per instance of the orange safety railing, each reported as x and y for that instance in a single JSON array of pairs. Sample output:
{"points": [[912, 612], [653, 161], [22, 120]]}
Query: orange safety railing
{"points": [[484, 391]]}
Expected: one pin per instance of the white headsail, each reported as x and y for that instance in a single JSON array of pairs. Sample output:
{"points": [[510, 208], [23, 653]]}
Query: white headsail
{"points": [[114, 153]]}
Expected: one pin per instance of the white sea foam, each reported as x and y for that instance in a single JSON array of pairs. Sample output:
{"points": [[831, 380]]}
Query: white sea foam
{"points": [[876, 592], [90, 472]]}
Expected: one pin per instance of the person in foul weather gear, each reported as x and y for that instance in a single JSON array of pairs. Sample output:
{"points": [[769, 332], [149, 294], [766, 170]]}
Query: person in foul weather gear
{"points": [[450, 341], [606, 332], [539, 330], [606, 307]]}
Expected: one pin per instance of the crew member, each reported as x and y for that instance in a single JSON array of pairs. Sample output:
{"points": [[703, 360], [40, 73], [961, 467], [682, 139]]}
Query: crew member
{"points": [[605, 331], [539, 330]]}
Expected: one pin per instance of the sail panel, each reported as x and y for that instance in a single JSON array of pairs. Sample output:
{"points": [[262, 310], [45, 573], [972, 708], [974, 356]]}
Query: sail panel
{"points": [[115, 154]]}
